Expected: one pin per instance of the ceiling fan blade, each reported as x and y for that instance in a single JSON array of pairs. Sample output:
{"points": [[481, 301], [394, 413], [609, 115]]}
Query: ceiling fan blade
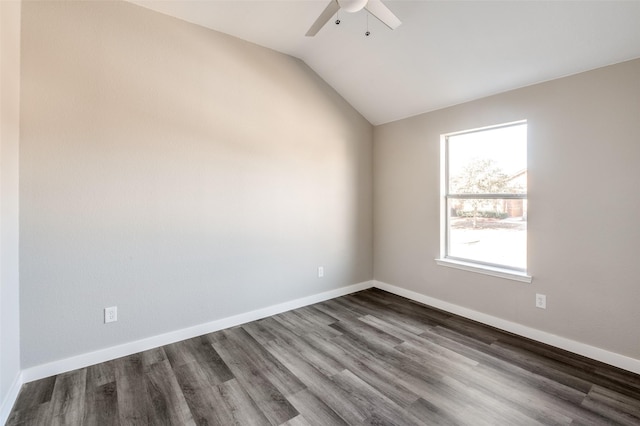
{"points": [[324, 17], [382, 12]]}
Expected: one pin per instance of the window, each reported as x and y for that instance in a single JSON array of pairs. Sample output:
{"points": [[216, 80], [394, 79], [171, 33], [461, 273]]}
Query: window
{"points": [[484, 200]]}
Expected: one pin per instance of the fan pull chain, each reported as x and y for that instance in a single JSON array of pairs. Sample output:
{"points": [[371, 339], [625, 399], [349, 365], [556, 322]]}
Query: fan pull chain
{"points": [[367, 34], [338, 17]]}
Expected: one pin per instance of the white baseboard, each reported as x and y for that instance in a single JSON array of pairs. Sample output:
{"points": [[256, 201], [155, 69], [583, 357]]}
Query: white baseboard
{"points": [[10, 398], [91, 358], [611, 358], [87, 359]]}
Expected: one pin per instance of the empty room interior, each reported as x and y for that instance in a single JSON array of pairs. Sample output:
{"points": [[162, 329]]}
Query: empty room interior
{"points": [[320, 212]]}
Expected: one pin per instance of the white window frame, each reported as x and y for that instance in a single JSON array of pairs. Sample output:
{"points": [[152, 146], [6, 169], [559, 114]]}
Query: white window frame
{"points": [[468, 264]]}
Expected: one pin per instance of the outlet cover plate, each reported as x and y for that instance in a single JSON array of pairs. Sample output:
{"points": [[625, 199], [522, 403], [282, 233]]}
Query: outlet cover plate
{"points": [[541, 301], [110, 314]]}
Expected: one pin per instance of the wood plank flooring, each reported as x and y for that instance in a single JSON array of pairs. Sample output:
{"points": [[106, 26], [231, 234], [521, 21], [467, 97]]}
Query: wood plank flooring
{"points": [[369, 358]]}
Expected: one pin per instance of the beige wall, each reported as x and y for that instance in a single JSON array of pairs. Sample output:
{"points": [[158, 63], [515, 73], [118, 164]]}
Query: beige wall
{"points": [[9, 136], [584, 238], [178, 173], [186, 176]]}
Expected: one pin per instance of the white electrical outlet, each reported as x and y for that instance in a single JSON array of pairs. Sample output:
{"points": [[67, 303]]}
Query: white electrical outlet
{"points": [[320, 271], [110, 314], [541, 301]]}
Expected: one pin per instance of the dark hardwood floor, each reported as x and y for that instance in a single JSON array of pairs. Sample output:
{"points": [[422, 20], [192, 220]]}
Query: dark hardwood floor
{"points": [[366, 358]]}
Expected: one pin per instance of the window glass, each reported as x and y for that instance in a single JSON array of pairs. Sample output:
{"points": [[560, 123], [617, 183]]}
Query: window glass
{"points": [[486, 196]]}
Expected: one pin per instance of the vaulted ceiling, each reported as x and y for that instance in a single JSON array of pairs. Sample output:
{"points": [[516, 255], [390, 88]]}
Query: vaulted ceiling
{"points": [[444, 53]]}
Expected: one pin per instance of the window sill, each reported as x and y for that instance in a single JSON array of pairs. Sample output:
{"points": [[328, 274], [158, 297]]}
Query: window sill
{"points": [[487, 270]]}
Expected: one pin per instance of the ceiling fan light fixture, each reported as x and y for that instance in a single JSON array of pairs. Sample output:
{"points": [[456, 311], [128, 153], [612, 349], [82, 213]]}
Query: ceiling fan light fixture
{"points": [[352, 5]]}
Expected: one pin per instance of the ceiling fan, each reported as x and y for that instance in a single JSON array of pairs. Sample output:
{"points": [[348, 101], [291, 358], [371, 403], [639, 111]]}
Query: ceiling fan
{"points": [[374, 7]]}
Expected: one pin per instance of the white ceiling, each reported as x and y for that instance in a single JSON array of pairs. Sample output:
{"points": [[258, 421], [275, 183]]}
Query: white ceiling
{"points": [[444, 53]]}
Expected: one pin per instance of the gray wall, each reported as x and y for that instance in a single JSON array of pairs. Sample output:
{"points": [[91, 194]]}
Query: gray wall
{"points": [[584, 237], [9, 136], [178, 173]]}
